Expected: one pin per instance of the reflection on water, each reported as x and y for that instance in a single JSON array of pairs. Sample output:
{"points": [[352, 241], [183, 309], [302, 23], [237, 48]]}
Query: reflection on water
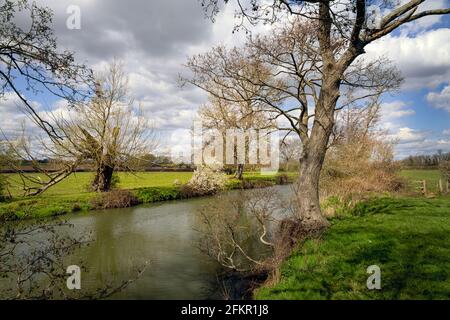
{"points": [[163, 235]]}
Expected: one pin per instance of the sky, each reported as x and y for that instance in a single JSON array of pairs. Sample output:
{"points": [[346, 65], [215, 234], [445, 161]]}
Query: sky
{"points": [[154, 39]]}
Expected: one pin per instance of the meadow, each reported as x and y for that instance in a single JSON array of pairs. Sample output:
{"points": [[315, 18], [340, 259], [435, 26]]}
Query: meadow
{"points": [[78, 183], [414, 177], [408, 238]]}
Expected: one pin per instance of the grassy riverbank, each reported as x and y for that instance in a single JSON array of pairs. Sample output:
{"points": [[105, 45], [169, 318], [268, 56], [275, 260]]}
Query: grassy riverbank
{"points": [[408, 238], [72, 194]]}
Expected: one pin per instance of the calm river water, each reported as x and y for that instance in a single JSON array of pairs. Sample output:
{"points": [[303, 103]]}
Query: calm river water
{"points": [[163, 235]]}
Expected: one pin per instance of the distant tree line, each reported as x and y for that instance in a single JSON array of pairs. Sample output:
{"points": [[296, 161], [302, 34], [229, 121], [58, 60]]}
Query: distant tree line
{"points": [[426, 161], [148, 162]]}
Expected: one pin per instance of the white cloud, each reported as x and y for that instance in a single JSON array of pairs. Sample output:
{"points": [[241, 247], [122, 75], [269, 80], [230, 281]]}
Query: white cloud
{"points": [[392, 114], [446, 132], [408, 135], [440, 100], [424, 60], [416, 142], [14, 114]]}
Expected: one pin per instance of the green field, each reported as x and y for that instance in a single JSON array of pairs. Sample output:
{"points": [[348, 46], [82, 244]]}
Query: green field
{"points": [[414, 176], [408, 238], [78, 183]]}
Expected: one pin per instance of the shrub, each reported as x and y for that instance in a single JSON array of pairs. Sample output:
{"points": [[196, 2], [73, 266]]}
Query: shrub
{"points": [[256, 183], [114, 199], [229, 170], [282, 179], [234, 184], [76, 207], [233, 227], [204, 181], [352, 172], [156, 194]]}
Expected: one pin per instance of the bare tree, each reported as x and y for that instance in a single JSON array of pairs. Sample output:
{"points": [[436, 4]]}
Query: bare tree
{"points": [[310, 68], [30, 54], [290, 151], [110, 132], [237, 107], [223, 116]]}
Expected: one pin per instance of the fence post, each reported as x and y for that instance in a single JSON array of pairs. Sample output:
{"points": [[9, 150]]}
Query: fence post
{"points": [[424, 187], [441, 188]]}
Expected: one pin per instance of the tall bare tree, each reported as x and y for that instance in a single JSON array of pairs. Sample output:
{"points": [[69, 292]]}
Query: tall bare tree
{"points": [[311, 66]]}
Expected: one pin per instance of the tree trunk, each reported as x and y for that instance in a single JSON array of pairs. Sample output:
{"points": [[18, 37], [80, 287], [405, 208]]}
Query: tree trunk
{"points": [[313, 156], [239, 171], [103, 178], [308, 193]]}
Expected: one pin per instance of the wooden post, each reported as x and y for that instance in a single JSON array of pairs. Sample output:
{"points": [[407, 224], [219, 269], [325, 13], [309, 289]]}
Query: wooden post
{"points": [[441, 188], [424, 187]]}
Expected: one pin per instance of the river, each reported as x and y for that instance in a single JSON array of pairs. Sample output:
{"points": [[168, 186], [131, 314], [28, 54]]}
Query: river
{"points": [[163, 235]]}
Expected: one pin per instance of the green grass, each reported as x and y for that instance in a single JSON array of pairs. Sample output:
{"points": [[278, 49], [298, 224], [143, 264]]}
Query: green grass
{"points": [[413, 176], [408, 238], [78, 183], [72, 193]]}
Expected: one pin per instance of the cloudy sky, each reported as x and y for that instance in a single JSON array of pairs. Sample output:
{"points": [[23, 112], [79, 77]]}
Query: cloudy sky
{"points": [[154, 38]]}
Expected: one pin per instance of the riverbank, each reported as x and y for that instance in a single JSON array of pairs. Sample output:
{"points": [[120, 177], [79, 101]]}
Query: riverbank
{"points": [[408, 238], [71, 195]]}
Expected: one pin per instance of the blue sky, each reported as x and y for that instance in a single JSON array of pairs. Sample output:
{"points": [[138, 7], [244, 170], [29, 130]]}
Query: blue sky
{"points": [[427, 117], [154, 39]]}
